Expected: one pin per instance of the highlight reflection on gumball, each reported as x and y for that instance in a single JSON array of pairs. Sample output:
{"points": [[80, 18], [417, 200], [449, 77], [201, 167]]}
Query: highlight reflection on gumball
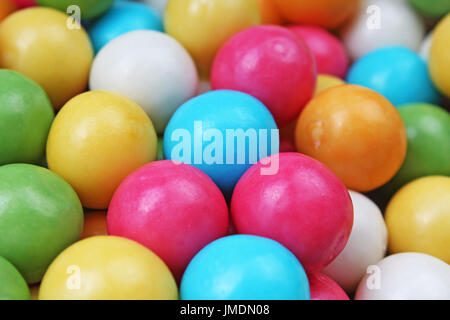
{"points": [[172, 209], [406, 276], [12, 284], [117, 138], [88, 8], [269, 12], [325, 82], [303, 206], [244, 267], [356, 132], [94, 224], [323, 287], [108, 268], [439, 62], [365, 247], [254, 61]]}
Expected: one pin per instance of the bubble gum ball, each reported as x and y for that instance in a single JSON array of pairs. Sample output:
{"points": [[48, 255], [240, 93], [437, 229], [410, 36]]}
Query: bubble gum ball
{"points": [[94, 224], [163, 204], [158, 5], [117, 138], [123, 17], [203, 26], [270, 63], [324, 288], [109, 268], [329, 53], [436, 8], [244, 267], [25, 118], [88, 8], [356, 132], [418, 218], [366, 246], [381, 23], [407, 276], [205, 132], [12, 284], [160, 74], [40, 216], [6, 8], [24, 3], [325, 82], [269, 12], [439, 62], [37, 43], [303, 206], [323, 13]]}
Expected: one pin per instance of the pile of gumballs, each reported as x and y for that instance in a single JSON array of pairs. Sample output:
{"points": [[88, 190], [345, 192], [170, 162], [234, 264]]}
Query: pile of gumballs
{"points": [[212, 149]]}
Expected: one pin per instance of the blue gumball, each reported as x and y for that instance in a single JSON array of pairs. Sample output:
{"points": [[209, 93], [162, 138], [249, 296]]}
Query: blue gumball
{"points": [[397, 73], [244, 267], [223, 133], [123, 17]]}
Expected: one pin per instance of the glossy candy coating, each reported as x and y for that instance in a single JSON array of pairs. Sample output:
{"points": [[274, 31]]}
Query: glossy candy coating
{"points": [[88, 8], [325, 82], [323, 287], [434, 8], [12, 284], [6, 8], [439, 61]]}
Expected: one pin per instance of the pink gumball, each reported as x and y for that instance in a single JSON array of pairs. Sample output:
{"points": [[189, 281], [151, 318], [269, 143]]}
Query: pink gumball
{"points": [[329, 53], [322, 287], [270, 63], [302, 205], [172, 209], [24, 3]]}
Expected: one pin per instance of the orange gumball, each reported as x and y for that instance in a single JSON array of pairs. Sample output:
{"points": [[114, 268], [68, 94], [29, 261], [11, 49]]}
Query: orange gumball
{"points": [[94, 224], [6, 8], [356, 132], [269, 12]]}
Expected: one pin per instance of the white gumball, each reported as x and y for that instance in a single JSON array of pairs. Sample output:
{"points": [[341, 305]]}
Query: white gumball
{"points": [[381, 23], [406, 276], [425, 47], [149, 67], [158, 5], [366, 245]]}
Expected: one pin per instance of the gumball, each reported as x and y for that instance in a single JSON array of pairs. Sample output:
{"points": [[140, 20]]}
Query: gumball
{"points": [[254, 61], [439, 62], [160, 74], [425, 47], [418, 218], [269, 12], [305, 207], [435, 8], [37, 43], [12, 284], [323, 287], [381, 23], [356, 132], [325, 82], [88, 8], [222, 133], [6, 8], [96, 140], [158, 5], [323, 13], [365, 247], [24, 3], [108, 268], [40, 216], [123, 17], [25, 118], [406, 276], [244, 267], [190, 213], [94, 224], [202, 27], [328, 51]]}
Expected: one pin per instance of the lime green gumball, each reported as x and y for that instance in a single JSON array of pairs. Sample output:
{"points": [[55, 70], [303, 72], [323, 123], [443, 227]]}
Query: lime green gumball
{"points": [[432, 8], [12, 284], [25, 119], [40, 215], [89, 8]]}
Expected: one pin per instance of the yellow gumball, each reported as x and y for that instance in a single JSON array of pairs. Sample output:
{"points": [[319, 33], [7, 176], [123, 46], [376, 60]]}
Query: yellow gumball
{"points": [[439, 61], [96, 140], [108, 268], [38, 43], [418, 218], [203, 26], [325, 82]]}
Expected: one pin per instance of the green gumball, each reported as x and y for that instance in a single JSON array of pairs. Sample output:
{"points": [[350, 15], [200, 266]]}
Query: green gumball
{"points": [[26, 115], [432, 8], [89, 8], [40, 215], [12, 284]]}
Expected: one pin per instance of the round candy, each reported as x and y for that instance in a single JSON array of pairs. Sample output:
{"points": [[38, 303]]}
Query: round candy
{"points": [[96, 140], [356, 132], [172, 209], [303, 205], [25, 118], [325, 82], [254, 61], [12, 284], [439, 62], [123, 17], [269, 12], [40, 216], [160, 75], [203, 26], [88, 8], [365, 247], [418, 218], [381, 23], [108, 268], [24, 3], [397, 73], [222, 133], [94, 224], [244, 267], [6, 8], [406, 276], [434, 8], [323, 287], [158, 5], [329, 53]]}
